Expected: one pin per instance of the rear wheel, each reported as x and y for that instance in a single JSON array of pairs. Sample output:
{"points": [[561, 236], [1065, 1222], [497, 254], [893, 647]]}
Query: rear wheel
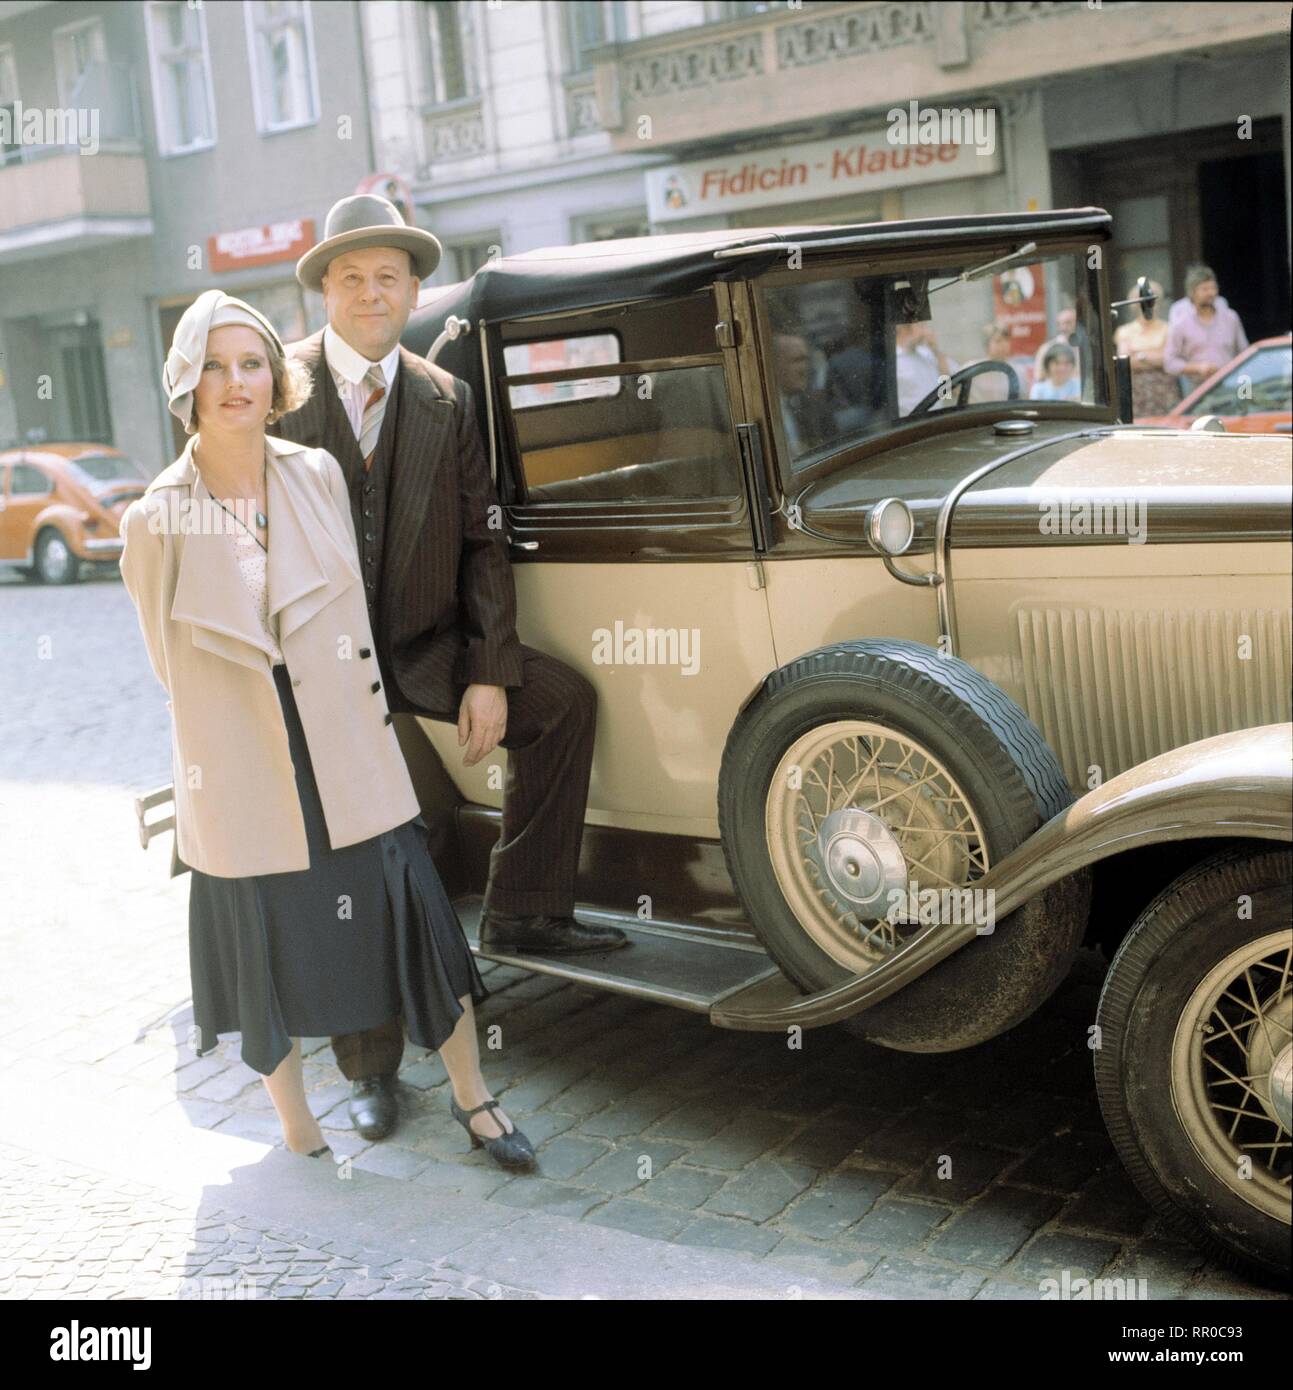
{"points": [[1193, 1068]]}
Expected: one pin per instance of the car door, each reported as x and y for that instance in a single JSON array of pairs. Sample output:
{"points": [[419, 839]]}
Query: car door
{"points": [[27, 491], [621, 473]]}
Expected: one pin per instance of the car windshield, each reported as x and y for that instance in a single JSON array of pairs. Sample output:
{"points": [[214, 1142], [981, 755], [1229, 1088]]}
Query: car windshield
{"points": [[107, 468], [1263, 381], [856, 355]]}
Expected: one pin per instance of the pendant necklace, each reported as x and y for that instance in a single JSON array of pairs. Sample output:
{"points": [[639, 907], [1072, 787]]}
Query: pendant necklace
{"points": [[261, 519]]}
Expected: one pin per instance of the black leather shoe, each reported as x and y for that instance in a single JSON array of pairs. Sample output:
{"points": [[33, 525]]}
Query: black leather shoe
{"points": [[509, 1150], [373, 1107], [544, 934]]}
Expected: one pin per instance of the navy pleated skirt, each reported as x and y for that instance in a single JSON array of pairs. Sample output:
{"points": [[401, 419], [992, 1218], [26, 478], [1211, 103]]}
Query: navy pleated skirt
{"points": [[365, 933]]}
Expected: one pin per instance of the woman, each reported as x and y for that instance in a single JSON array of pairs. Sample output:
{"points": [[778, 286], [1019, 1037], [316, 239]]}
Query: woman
{"points": [[315, 907], [1153, 391]]}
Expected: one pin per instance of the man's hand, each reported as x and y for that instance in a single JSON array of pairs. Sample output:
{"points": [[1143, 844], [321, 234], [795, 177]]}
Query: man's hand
{"points": [[482, 719]]}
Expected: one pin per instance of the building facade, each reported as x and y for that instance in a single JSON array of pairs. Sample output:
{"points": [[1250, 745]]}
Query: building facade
{"points": [[225, 130], [222, 133], [518, 125]]}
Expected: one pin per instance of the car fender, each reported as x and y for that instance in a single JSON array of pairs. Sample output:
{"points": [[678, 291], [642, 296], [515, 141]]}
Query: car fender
{"points": [[1236, 785], [65, 518]]}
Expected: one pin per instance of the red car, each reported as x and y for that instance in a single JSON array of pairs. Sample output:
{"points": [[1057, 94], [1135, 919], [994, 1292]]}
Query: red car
{"points": [[61, 506], [1266, 408]]}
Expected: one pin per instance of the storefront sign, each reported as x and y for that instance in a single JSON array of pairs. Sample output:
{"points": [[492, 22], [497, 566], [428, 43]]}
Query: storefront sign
{"points": [[846, 166], [278, 241], [1019, 305]]}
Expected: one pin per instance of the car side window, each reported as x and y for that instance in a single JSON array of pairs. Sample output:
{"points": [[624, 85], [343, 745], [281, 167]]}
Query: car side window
{"points": [[29, 481], [651, 420]]}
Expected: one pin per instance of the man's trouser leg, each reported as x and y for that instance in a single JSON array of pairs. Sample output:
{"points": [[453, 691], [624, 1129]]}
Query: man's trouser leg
{"points": [[374, 1052]]}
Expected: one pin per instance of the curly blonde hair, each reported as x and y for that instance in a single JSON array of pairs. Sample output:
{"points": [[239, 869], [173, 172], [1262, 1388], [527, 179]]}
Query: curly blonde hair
{"points": [[293, 386]]}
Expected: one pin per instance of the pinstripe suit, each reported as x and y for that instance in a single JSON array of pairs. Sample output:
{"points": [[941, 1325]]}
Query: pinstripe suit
{"points": [[446, 619]]}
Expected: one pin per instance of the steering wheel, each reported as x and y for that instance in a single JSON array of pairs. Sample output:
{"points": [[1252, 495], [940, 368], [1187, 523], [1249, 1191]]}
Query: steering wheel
{"points": [[961, 380]]}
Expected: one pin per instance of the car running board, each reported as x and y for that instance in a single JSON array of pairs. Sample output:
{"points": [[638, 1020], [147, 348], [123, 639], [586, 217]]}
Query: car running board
{"points": [[664, 963]]}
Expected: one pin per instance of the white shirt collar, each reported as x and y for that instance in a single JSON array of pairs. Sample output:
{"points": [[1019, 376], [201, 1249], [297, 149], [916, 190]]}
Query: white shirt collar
{"points": [[352, 365]]}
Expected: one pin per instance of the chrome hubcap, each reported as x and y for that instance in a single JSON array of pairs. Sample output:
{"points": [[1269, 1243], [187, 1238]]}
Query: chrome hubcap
{"points": [[860, 860], [855, 812], [57, 556]]}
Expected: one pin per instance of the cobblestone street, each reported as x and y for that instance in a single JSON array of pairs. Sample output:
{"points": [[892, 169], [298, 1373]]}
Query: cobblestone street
{"points": [[676, 1159]]}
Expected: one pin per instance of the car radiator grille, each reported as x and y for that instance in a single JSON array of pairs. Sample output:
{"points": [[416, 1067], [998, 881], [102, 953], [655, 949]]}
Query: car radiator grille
{"points": [[1110, 688]]}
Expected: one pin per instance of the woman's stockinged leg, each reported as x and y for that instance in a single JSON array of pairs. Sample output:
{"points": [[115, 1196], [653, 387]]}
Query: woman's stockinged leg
{"points": [[461, 1058], [301, 1132]]}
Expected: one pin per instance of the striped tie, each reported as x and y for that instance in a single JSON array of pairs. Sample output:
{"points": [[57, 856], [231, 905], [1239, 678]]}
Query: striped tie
{"points": [[373, 412]]}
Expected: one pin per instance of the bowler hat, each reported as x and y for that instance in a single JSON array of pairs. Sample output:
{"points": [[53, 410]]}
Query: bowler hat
{"points": [[360, 221]]}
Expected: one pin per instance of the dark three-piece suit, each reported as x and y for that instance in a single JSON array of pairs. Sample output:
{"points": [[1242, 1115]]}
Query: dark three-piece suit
{"points": [[442, 603]]}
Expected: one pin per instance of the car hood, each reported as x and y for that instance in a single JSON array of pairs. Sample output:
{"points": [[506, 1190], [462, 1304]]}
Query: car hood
{"points": [[1189, 485]]}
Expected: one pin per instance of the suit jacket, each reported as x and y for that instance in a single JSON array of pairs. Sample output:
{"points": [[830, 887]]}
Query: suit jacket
{"points": [[447, 599], [237, 811]]}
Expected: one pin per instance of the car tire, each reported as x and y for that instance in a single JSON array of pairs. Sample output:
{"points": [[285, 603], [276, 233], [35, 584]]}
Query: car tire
{"points": [[54, 561], [1172, 1029], [989, 750]]}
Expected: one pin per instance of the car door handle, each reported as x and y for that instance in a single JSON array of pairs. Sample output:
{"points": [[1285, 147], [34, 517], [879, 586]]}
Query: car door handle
{"points": [[526, 545]]}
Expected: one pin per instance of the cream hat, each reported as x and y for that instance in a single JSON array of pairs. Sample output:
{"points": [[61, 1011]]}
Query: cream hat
{"points": [[183, 368]]}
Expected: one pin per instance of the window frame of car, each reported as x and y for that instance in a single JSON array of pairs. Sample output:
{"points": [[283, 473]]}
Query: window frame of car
{"points": [[850, 266], [48, 490], [660, 528]]}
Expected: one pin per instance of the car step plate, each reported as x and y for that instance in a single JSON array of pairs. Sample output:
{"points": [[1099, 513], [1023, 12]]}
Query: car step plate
{"points": [[664, 964]]}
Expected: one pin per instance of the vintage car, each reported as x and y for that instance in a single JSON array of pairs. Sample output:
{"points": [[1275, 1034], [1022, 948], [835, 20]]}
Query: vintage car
{"points": [[1253, 394], [61, 507], [903, 695]]}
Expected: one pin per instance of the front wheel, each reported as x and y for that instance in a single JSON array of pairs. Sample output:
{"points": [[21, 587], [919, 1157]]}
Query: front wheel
{"points": [[862, 795], [54, 561], [1193, 1066]]}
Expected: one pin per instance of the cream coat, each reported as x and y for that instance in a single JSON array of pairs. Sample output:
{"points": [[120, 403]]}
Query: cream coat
{"points": [[236, 807]]}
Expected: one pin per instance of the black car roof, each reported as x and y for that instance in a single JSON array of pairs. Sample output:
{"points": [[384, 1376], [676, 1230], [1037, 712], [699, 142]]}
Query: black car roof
{"points": [[661, 267]]}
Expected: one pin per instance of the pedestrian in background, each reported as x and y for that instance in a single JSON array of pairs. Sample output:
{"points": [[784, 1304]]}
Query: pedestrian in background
{"points": [[1144, 340], [1205, 335]]}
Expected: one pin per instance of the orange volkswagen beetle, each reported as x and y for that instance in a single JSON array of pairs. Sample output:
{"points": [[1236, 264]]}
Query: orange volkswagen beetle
{"points": [[61, 507]]}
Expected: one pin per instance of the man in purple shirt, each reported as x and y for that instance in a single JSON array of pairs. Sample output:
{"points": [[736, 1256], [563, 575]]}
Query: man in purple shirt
{"points": [[1204, 335]]}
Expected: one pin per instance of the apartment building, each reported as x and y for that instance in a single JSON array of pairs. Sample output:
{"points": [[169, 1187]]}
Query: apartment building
{"points": [[221, 134], [525, 124]]}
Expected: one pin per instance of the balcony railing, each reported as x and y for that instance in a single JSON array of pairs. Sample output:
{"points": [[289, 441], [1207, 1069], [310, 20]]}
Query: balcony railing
{"points": [[83, 180]]}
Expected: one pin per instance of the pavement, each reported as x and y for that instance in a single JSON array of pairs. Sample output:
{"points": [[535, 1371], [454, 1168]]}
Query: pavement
{"points": [[676, 1160]]}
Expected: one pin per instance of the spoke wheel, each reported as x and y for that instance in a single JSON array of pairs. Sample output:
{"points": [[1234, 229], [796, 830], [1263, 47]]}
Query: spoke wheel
{"points": [[1192, 1067], [1230, 1071], [860, 820]]}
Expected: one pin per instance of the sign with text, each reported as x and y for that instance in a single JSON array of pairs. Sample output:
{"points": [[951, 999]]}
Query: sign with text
{"points": [[251, 246], [851, 164]]}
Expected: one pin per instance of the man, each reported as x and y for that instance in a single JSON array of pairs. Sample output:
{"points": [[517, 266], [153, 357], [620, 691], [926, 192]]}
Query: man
{"points": [[807, 419], [441, 596], [920, 364], [1205, 335]]}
